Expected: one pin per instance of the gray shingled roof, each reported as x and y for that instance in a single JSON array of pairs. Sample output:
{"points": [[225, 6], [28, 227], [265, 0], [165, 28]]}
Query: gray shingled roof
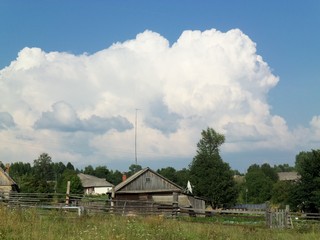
{"points": [[288, 176], [92, 181]]}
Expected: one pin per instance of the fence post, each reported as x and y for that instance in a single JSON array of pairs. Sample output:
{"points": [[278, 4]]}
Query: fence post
{"points": [[175, 204], [268, 216], [287, 216], [112, 198], [80, 211], [68, 193]]}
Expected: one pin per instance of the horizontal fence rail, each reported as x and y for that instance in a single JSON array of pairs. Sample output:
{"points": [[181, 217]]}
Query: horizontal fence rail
{"points": [[86, 204]]}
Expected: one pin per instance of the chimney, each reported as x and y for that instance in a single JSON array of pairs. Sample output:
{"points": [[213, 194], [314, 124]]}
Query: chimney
{"points": [[8, 168], [124, 177]]}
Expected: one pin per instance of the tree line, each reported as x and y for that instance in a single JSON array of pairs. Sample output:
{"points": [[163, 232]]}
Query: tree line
{"points": [[210, 177]]}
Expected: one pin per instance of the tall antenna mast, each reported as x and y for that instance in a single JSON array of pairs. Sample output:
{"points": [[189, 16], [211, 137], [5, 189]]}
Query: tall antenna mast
{"points": [[135, 137]]}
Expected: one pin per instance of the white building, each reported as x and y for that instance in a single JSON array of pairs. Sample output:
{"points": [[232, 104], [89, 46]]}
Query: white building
{"points": [[94, 185]]}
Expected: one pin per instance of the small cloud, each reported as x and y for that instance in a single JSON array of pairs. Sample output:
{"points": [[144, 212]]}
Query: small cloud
{"points": [[100, 125], [161, 119], [6, 121], [241, 132], [62, 118], [65, 119], [315, 122], [314, 131]]}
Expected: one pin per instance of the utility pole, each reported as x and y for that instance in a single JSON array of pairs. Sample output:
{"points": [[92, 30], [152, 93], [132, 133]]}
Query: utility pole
{"points": [[135, 137]]}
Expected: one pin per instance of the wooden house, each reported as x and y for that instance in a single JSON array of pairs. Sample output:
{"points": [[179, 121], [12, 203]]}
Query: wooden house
{"points": [[94, 185], [7, 184], [148, 185]]}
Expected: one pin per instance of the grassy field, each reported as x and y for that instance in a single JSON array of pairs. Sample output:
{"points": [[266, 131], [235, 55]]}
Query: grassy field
{"points": [[33, 224]]}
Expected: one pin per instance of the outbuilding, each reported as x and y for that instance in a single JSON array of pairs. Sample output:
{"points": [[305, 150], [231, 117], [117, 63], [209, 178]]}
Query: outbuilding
{"points": [[94, 185]]}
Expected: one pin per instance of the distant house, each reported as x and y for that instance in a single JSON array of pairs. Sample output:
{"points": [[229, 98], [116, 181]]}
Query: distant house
{"points": [[148, 185], [288, 176], [7, 184], [239, 179], [94, 185]]}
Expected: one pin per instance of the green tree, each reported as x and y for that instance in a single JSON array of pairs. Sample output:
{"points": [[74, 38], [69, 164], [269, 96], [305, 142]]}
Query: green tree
{"points": [[183, 176], [236, 172], [180, 177], [259, 181], [306, 194], [59, 168], [70, 166], [258, 186], [42, 178], [19, 169], [210, 176], [269, 172], [89, 170], [284, 168], [20, 172], [133, 169], [29, 184], [43, 167], [114, 177], [241, 187], [281, 193], [75, 182], [101, 172], [169, 173]]}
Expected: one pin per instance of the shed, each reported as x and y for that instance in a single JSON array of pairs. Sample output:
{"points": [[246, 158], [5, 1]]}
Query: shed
{"points": [[7, 184], [94, 185], [148, 185]]}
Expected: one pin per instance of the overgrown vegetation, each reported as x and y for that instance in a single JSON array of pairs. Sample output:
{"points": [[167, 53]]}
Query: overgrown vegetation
{"points": [[32, 224]]}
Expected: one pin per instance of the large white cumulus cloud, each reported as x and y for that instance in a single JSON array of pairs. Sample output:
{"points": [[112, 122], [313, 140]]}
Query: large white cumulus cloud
{"points": [[204, 79]]}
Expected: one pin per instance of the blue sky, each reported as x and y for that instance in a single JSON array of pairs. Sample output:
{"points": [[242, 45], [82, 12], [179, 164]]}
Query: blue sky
{"points": [[286, 34]]}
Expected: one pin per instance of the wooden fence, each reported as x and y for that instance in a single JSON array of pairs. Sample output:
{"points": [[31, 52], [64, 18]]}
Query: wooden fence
{"points": [[279, 218], [79, 204]]}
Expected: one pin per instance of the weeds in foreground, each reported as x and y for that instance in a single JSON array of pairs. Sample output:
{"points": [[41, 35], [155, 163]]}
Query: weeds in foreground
{"points": [[49, 225]]}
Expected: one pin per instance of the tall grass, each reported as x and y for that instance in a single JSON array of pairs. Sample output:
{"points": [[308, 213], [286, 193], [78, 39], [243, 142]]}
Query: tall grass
{"points": [[35, 224]]}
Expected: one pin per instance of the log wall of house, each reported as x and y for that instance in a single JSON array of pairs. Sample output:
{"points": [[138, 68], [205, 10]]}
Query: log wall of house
{"points": [[197, 203]]}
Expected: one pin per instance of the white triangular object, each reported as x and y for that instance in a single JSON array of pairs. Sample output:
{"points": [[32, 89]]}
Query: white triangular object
{"points": [[189, 187]]}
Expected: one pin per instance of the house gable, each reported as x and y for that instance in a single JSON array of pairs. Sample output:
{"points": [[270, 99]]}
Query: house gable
{"points": [[5, 179], [6, 182], [147, 180]]}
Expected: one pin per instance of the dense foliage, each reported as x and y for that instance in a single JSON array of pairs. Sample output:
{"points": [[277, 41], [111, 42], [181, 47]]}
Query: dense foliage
{"points": [[46, 176], [210, 175], [180, 177], [306, 194], [259, 182]]}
